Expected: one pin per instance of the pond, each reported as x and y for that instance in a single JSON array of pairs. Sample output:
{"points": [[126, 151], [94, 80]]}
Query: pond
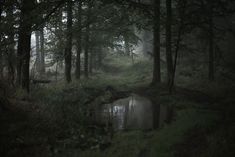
{"points": [[133, 113]]}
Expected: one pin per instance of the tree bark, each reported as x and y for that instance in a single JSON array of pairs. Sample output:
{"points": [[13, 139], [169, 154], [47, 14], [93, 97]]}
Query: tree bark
{"points": [[127, 46], [79, 42], [1, 53], [24, 44], [91, 61], [100, 56], [87, 39], [38, 58], [156, 43], [68, 48], [168, 42], [26, 47], [42, 51], [11, 46]]}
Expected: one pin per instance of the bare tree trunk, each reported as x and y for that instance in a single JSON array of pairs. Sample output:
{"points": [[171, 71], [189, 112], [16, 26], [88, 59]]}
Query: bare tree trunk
{"points": [[79, 42], [86, 52], [211, 45], [26, 62], [56, 71], [1, 66], [1, 53], [87, 39], [91, 61], [168, 42], [127, 46], [24, 44], [68, 48], [11, 57], [178, 41], [156, 44], [38, 58], [42, 51], [100, 55]]}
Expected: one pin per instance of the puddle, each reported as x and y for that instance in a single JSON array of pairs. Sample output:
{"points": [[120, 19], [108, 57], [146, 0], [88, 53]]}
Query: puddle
{"points": [[133, 113]]}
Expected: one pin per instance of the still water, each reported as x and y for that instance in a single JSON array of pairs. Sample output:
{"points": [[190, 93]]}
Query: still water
{"points": [[134, 113]]}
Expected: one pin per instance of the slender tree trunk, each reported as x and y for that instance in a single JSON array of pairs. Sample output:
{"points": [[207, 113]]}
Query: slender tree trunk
{"points": [[1, 53], [56, 71], [68, 48], [1, 65], [91, 61], [211, 45], [42, 51], [11, 48], [38, 58], [168, 42], [86, 52], [99, 55], [26, 61], [178, 41], [127, 46], [156, 44], [79, 42], [24, 44], [87, 39]]}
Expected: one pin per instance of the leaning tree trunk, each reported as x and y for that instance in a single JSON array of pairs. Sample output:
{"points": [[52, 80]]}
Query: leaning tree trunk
{"points": [[79, 42], [68, 48], [168, 42], [156, 43], [211, 45]]}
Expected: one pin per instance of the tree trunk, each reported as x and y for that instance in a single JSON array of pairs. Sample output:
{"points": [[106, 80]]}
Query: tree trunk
{"points": [[211, 45], [11, 46], [100, 56], [86, 52], [38, 58], [168, 42], [156, 44], [1, 54], [1, 66], [24, 44], [127, 46], [68, 48], [87, 38], [79, 42], [26, 47], [42, 55], [91, 61]]}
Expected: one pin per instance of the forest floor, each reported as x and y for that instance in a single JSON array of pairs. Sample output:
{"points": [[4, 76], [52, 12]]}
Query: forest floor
{"points": [[52, 120]]}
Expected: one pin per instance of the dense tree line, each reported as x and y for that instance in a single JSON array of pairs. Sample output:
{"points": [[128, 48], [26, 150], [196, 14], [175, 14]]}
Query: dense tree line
{"points": [[71, 28]]}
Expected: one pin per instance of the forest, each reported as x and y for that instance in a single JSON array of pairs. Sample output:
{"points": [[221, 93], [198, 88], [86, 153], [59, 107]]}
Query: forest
{"points": [[117, 78]]}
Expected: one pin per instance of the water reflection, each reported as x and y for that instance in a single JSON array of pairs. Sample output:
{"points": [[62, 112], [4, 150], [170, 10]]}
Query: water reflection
{"points": [[134, 112]]}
